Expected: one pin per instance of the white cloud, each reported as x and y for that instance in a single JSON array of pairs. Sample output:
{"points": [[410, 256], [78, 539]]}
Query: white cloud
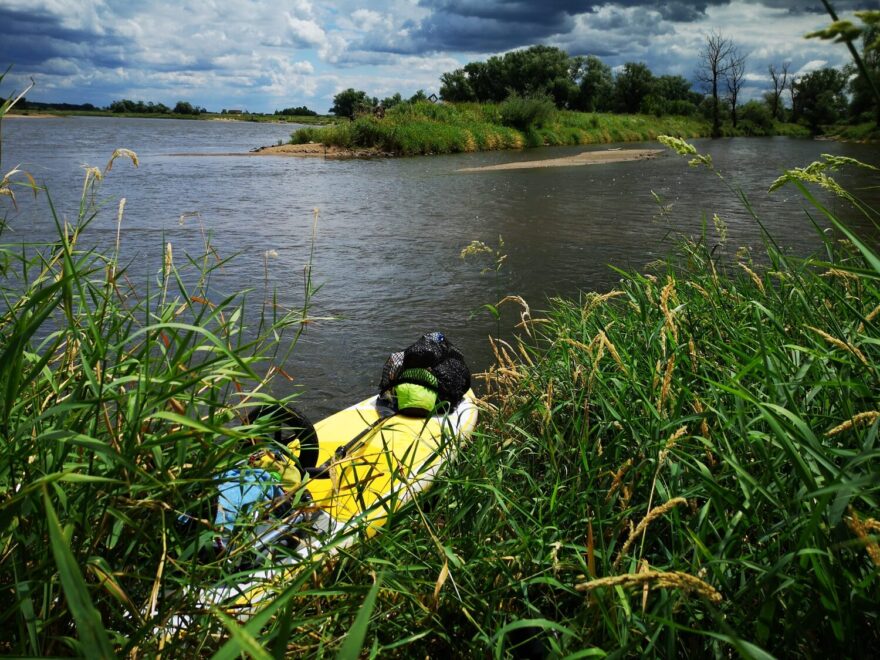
{"points": [[301, 51]]}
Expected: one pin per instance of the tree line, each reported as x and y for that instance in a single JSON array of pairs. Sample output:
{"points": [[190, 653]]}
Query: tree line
{"points": [[587, 84]]}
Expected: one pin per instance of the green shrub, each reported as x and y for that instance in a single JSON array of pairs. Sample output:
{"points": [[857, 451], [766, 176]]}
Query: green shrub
{"points": [[524, 113], [756, 118]]}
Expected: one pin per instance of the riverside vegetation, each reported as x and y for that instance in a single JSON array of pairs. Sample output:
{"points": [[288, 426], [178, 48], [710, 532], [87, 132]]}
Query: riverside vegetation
{"points": [[425, 128], [685, 465]]}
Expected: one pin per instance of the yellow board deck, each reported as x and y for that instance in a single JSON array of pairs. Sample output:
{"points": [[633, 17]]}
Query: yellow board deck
{"points": [[396, 458]]}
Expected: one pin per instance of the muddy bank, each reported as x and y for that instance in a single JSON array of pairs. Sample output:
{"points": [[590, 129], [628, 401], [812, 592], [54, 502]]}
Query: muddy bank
{"points": [[585, 158]]}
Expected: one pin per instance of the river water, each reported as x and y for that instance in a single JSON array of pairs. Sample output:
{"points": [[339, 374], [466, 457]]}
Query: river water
{"points": [[390, 232]]}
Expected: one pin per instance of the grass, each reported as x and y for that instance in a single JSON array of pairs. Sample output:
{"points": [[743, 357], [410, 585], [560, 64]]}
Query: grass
{"points": [[684, 466], [863, 132], [687, 465], [425, 128], [118, 405]]}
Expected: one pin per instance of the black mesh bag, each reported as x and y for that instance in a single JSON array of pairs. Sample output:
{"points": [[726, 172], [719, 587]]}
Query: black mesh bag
{"points": [[436, 354]]}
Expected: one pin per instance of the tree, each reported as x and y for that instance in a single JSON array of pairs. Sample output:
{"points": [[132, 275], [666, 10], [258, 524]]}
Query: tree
{"points": [[529, 72], [185, 108], [779, 80], [860, 88], [632, 85], [819, 97], [418, 96], [736, 72], [455, 86], [350, 102], [596, 85], [391, 101], [299, 111], [714, 64]]}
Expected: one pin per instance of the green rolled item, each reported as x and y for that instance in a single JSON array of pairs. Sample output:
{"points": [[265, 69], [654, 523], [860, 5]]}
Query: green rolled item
{"points": [[413, 399]]}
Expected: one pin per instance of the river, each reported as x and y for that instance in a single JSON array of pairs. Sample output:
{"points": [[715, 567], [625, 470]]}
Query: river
{"points": [[390, 232]]}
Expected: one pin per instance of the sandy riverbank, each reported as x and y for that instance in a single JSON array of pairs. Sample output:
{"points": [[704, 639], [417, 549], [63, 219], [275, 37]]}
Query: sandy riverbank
{"points": [[316, 150], [35, 115], [585, 158]]}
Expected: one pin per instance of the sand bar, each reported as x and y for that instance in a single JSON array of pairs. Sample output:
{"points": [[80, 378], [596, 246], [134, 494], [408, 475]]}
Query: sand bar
{"points": [[584, 158], [316, 150]]}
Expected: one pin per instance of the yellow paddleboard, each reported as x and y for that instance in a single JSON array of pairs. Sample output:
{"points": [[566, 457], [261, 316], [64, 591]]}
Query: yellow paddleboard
{"points": [[392, 459]]}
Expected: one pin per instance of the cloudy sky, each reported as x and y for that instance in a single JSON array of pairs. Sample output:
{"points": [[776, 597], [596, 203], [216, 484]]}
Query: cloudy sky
{"points": [[263, 55]]}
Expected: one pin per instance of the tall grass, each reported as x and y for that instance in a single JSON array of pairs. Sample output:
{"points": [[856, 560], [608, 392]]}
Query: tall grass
{"points": [[118, 405], [684, 466], [425, 128]]}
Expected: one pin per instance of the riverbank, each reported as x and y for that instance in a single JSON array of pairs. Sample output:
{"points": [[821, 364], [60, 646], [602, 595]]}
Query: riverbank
{"points": [[427, 128], [307, 120]]}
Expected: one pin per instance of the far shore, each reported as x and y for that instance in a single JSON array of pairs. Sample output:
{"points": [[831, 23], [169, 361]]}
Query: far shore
{"points": [[35, 115]]}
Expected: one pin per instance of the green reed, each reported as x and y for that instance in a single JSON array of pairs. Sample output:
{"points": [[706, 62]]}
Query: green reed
{"points": [[119, 403]]}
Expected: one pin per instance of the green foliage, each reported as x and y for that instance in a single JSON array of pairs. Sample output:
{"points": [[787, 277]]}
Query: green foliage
{"points": [[299, 111], [819, 98], [523, 113], [631, 86], [350, 102], [118, 406], [423, 128], [127, 105], [391, 101], [186, 108], [756, 119], [596, 86]]}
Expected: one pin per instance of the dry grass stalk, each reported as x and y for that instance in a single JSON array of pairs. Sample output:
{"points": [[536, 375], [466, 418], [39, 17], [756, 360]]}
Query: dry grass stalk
{"points": [[754, 276], [618, 477], [702, 291], [869, 318], [655, 382], [656, 580], [704, 430], [861, 419], [673, 440], [653, 514], [612, 349], [667, 383], [525, 314], [645, 567], [595, 301], [692, 351], [667, 294], [842, 274], [578, 344], [858, 527], [834, 341]]}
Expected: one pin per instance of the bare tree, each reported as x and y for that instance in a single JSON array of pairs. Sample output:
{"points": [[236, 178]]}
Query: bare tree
{"points": [[714, 64], [735, 77], [779, 80], [793, 95]]}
